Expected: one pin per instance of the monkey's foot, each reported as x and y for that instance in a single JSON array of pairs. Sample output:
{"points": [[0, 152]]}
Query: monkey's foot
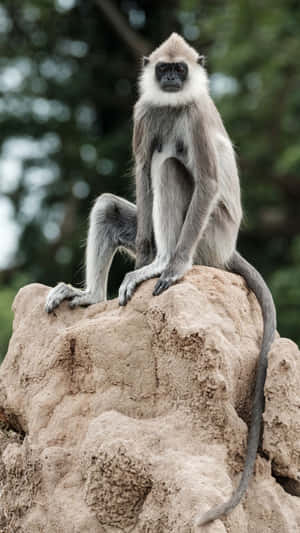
{"points": [[83, 300], [169, 276], [133, 279], [165, 281], [162, 285], [63, 291]]}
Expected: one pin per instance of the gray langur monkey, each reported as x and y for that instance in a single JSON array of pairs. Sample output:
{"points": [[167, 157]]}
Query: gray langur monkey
{"points": [[188, 209]]}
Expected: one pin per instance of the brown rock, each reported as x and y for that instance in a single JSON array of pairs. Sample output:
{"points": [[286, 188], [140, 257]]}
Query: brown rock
{"points": [[134, 419], [282, 412]]}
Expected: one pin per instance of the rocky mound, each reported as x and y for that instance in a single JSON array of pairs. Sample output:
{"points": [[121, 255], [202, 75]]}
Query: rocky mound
{"points": [[135, 419]]}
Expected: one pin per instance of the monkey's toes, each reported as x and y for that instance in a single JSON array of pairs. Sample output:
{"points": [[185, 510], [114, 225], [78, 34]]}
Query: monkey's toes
{"points": [[125, 298], [53, 300], [58, 294], [83, 300], [49, 307], [126, 293], [52, 303], [162, 285]]}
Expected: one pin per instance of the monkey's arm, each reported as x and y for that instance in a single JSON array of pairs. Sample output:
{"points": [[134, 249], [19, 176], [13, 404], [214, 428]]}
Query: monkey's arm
{"points": [[144, 202], [145, 249], [203, 168], [144, 198]]}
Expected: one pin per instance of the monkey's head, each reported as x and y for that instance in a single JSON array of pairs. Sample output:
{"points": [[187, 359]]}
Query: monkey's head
{"points": [[173, 74]]}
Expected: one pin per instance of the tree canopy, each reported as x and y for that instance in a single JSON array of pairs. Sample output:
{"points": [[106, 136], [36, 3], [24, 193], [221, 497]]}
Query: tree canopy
{"points": [[68, 82]]}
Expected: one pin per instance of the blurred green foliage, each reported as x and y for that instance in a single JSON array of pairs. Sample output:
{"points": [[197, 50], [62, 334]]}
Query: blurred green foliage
{"points": [[6, 316], [67, 87], [7, 295]]}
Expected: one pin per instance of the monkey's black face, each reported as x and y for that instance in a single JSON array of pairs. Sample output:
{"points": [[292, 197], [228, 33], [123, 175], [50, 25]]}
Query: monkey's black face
{"points": [[171, 76]]}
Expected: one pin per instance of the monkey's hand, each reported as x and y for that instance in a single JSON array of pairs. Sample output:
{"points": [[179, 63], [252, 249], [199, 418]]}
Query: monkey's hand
{"points": [[129, 285], [135, 278], [172, 273]]}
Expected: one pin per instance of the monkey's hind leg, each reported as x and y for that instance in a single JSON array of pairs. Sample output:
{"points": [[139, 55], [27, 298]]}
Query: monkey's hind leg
{"points": [[62, 291], [112, 226]]}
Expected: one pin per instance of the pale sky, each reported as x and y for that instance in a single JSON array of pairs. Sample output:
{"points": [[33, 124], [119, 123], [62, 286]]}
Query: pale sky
{"points": [[14, 151]]}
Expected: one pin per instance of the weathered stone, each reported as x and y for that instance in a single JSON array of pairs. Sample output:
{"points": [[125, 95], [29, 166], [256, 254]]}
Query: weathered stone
{"points": [[135, 418]]}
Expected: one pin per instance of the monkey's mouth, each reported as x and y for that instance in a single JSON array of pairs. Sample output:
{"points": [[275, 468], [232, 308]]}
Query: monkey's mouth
{"points": [[171, 88]]}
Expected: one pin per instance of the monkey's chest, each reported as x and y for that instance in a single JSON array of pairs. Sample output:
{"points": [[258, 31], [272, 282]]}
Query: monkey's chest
{"points": [[165, 155], [172, 186], [160, 155]]}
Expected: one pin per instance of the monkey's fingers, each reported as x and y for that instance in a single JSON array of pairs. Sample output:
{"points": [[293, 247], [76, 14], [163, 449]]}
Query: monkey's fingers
{"points": [[126, 298], [162, 285], [126, 292], [123, 300]]}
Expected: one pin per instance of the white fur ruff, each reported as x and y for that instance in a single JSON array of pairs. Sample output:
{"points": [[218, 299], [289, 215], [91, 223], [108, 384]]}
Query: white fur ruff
{"points": [[194, 86]]}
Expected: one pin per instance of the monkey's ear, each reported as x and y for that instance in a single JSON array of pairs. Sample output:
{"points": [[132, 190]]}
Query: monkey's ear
{"points": [[146, 60], [201, 60]]}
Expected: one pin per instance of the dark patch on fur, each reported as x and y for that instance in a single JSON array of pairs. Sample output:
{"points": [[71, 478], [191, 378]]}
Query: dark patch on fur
{"points": [[180, 147]]}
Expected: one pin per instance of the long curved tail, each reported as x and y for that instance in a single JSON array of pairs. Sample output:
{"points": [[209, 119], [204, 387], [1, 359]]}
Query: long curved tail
{"points": [[255, 282]]}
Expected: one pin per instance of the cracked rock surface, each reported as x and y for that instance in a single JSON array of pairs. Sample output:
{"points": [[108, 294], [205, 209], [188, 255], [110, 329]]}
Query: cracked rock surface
{"points": [[135, 419]]}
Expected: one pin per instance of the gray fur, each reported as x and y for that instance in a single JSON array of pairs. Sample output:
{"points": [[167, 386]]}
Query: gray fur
{"points": [[188, 211], [112, 227], [255, 282], [187, 188]]}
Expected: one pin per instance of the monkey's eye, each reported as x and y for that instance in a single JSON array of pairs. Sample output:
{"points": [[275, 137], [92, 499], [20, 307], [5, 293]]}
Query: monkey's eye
{"points": [[161, 68], [180, 68]]}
